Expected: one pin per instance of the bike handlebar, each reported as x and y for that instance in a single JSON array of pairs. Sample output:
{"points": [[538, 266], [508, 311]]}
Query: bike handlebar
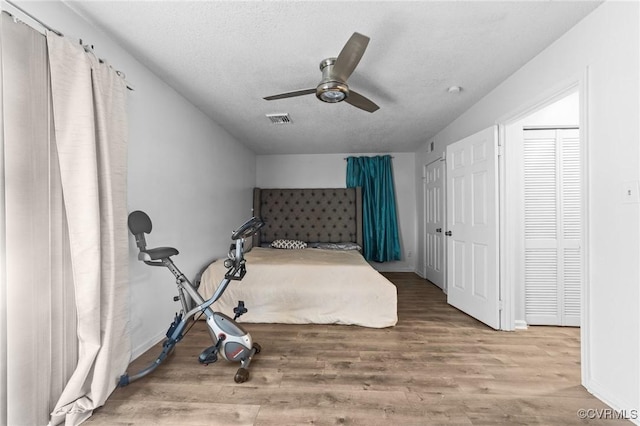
{"points": [[248, 228]]}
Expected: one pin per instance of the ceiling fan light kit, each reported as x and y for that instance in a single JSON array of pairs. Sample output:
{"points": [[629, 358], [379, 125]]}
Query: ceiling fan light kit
{"points": [[333, 87], [332, 92]]}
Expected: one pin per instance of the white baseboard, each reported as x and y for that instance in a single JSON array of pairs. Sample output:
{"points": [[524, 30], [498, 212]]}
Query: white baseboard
{"points": [[624, 408], [521, 325], [145, 346]]}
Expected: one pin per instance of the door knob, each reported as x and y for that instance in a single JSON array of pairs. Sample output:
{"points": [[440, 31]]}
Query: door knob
{"points": [[438, 229], [448, 233]]}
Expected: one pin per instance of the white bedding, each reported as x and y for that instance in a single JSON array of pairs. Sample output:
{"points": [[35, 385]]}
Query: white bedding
{"points": [[306, 286]]}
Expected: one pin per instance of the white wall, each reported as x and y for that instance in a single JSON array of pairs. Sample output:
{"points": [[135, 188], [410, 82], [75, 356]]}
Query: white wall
{"points": [[182, 172], [330, 171], [564, 112], [605, 46]]}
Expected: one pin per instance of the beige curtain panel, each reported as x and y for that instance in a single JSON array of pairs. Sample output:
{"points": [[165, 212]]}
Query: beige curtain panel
{"points": [[89, 115], [64, 337], [38, 344]]}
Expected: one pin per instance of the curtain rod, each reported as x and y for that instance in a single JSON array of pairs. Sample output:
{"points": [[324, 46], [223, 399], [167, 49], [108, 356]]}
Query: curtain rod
{"points": [[34, 18], [58, 33], [346, 158]]}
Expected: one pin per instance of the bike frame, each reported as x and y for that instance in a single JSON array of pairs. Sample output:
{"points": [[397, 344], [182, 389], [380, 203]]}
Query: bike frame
{"points": [[176, 330]]}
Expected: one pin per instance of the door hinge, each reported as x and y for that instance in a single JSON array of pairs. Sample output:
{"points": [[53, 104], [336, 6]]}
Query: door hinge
{"points": [[500, 150], [500, 305]]}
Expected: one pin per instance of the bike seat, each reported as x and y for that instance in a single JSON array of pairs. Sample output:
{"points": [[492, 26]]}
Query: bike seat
{"points": [[157, 253], [140, 224]]}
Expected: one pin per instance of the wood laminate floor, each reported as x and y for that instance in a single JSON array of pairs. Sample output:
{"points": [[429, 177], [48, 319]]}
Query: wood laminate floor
{"points": [[438, 366]]}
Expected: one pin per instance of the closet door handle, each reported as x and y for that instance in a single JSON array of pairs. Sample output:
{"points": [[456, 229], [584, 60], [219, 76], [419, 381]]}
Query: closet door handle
{"points": [[438, 229], [448, 233]]}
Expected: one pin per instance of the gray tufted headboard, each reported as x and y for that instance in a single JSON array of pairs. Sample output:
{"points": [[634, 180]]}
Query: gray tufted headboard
{"points": [[326, 215]]}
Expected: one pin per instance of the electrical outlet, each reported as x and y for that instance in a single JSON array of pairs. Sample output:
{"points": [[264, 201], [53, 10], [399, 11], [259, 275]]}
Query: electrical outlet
{"points": [[409, 254], [631, 192]]}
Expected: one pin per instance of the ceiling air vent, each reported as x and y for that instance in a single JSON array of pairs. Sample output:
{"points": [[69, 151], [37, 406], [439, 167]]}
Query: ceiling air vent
{"points": [[279, 118]]}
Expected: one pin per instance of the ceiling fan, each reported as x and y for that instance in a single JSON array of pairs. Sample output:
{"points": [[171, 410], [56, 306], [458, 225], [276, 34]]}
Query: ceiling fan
{"points": [[335, 72]]}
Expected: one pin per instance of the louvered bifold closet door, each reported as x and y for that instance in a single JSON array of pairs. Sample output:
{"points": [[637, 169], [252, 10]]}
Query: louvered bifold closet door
{"points": [[552, 226]]}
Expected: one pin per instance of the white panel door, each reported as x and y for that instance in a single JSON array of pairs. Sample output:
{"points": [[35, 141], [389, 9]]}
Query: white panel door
{"points": [[472, 226], [552, 226], [434, 223]]}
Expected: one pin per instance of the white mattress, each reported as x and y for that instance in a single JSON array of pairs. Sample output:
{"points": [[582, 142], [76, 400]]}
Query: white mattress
{"points": [[308, 286]]}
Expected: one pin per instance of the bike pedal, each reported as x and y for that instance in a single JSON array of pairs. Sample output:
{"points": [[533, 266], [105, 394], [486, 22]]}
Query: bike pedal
{"points": [[208, 356]]}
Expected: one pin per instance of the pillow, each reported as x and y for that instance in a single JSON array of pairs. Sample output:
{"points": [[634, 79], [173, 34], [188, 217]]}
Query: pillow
{"points": [[336, 246], [288, 244]]}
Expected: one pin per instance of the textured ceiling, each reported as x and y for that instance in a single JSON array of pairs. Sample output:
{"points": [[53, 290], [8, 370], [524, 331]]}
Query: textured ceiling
{"points": [[225, 56]]}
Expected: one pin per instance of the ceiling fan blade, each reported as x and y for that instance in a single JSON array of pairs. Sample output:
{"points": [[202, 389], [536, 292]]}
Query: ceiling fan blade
{"points": [[359, 101], [291, 94], [350, 56]]}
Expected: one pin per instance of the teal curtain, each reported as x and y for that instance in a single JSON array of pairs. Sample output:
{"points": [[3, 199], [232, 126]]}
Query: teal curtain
{"points": [[380, 223]]}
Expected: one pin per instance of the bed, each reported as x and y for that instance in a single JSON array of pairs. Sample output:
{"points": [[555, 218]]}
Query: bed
{"points": [[328, 282]]}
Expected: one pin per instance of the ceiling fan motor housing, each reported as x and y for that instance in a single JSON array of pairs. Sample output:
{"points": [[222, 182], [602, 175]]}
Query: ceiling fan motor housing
{"points": [[331, 89]]}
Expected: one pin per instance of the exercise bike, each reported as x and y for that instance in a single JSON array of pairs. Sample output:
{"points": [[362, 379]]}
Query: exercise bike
{"points": [[230, 340]]}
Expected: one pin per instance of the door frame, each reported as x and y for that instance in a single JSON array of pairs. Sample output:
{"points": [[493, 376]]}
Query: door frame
{"points": [[507, 241]]}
